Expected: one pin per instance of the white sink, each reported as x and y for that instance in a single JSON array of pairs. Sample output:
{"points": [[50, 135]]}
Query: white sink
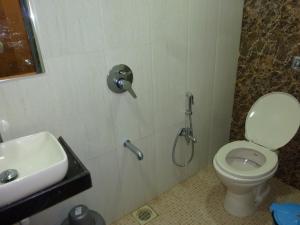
{"points": [[40, 161]]}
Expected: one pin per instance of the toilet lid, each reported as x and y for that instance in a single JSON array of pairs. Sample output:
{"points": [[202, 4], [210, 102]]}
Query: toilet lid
{"points": [[273, 120]]}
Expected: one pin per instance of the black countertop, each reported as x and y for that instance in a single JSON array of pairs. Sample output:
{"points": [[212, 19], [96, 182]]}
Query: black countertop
{"points": [[77, 179]]}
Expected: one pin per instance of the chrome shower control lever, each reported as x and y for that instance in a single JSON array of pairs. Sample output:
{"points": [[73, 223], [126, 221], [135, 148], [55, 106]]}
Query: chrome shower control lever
{"points": [[127, 86], [120, 79]]}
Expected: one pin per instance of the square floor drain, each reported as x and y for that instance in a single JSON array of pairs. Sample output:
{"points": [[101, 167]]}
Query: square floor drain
{"points": [[144, 214]]}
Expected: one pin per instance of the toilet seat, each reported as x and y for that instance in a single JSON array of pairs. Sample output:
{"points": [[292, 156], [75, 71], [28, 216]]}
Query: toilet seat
{"points": [[273, 120], [271, 123], [271, 160]]}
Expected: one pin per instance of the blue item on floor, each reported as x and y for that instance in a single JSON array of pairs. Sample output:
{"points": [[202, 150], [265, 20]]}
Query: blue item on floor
{"points": [[286, 214]]}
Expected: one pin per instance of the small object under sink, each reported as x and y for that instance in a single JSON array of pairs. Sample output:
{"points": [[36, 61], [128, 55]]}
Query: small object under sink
{"points": [[30, 164]]}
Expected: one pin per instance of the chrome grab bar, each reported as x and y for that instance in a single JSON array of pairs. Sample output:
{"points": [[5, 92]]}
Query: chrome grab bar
{"points": [[134, 149]]}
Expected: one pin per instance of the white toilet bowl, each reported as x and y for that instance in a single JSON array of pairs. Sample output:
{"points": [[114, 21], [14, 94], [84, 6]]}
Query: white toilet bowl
{"points": [[244, 167]]}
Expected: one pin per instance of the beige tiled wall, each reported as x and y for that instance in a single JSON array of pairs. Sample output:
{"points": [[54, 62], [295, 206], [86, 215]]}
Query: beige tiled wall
{"points": [[173, 46]]}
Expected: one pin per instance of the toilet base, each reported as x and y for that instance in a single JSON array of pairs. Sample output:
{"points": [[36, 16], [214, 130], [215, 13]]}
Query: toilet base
{"points": [[245, 204], [240, 205]]}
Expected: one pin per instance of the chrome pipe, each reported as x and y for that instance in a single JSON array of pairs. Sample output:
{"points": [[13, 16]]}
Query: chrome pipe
{"points": [[188, 103], [134, 149]]}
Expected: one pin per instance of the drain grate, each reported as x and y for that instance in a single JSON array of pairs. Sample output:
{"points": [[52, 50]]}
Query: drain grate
{"points": [[144, 214]]}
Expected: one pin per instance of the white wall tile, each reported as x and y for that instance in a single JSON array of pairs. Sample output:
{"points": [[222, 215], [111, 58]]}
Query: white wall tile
{"points": [[69, 100], [105, 196], [172, 46], [133, 118], [169, 60], [69, 26], [52, 216], [229, 28], [126, 23], [166, 172], [169, 24], [203, 29], [169, 79], [138, 178]]}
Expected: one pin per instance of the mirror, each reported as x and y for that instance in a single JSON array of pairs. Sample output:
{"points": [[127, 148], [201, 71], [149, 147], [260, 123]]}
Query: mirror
{"points": [[19, 50]]}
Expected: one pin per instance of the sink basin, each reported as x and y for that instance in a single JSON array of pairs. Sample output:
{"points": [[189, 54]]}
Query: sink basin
{"points": [[39, 160]]}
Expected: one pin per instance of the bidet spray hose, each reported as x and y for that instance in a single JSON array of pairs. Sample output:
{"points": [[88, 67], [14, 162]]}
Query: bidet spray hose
{"points": [[174, 151], [187, 131]]}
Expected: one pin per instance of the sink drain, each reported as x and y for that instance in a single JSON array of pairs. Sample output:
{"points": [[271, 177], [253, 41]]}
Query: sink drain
{"points": [[144, 214], [8, 176]]}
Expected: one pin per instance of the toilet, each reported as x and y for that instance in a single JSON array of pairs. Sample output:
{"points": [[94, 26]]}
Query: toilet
{"points": [[245, 166]]}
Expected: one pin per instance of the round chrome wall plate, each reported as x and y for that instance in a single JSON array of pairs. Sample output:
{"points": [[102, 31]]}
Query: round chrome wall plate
{"points": [[119, 72]]}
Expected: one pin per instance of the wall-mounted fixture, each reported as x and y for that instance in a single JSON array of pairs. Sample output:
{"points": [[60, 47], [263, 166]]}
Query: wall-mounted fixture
{"points": [[186, 132], [296, 63], [120, 79], [134, 149], [19, 50]]}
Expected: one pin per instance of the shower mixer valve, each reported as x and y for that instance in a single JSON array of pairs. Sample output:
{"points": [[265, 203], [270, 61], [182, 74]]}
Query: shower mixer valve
{"points": [[120, 79], [188, 134]]}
